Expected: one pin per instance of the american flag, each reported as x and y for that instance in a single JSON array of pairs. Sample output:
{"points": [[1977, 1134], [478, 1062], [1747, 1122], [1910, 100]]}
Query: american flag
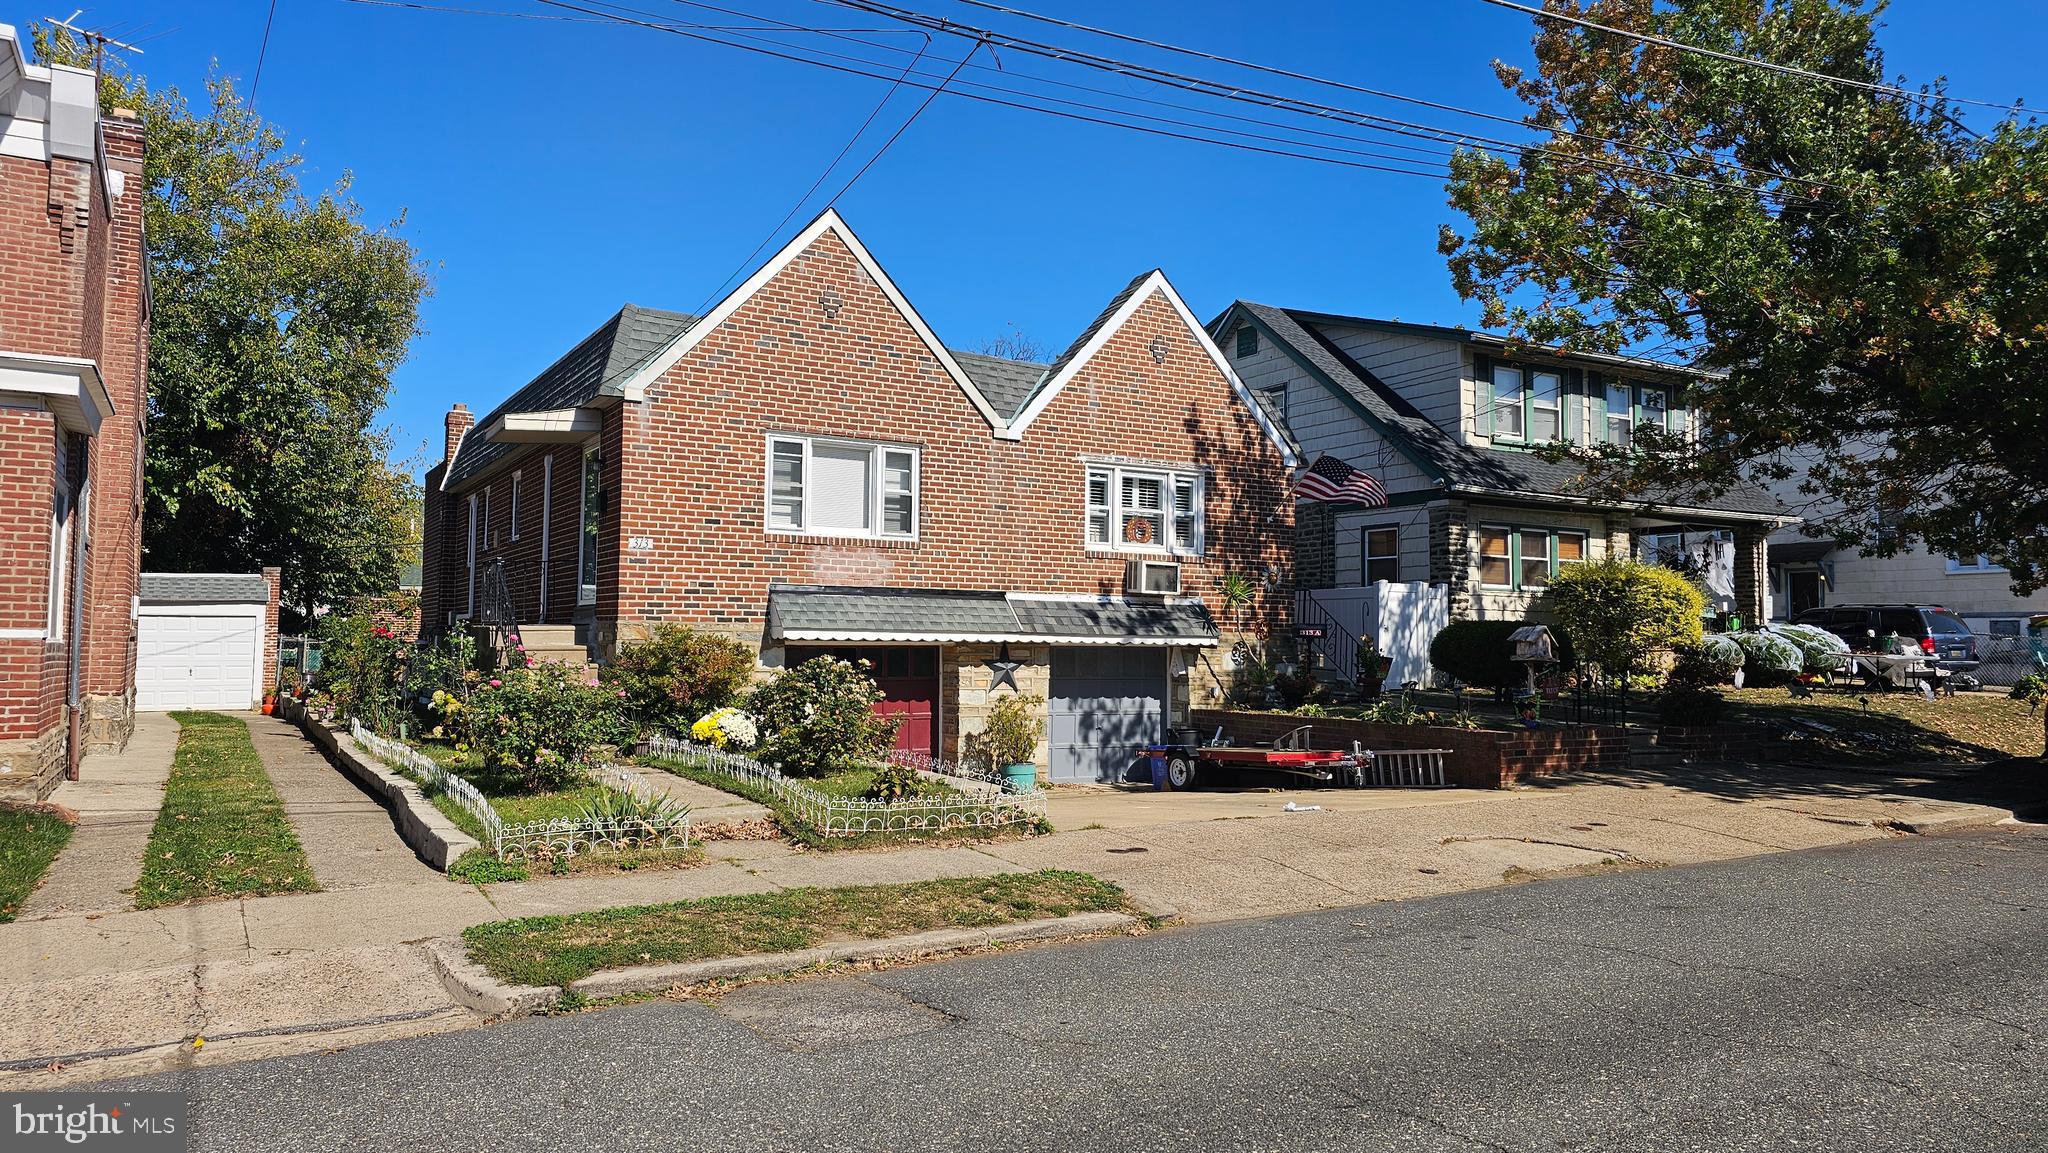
{"points": [[1330, 479]]}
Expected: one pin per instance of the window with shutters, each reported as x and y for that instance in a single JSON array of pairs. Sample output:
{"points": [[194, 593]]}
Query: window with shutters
{"points": [[848, 488], [1144, 510]]}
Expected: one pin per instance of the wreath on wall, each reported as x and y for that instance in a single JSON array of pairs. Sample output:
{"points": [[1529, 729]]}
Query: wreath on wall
{"points": [[1138, 530]]}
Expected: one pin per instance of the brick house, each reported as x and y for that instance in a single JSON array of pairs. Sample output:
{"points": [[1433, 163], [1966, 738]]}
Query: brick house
{"points": [[74, 334], [807, 468], [1451, 422]]}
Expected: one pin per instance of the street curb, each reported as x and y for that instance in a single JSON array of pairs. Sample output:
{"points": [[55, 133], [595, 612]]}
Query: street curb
{"points": [[1962, 817], [657, 978], [437, 840], [476, 990]]}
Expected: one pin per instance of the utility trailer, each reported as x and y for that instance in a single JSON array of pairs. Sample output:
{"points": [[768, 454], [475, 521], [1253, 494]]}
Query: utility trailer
{"points": [[1182, 761]]}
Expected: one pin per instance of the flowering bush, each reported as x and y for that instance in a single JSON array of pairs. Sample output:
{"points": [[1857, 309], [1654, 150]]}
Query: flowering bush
{"points": [[547, 725], [678, 674], [819, 718], [726, 728], [363, 669]]}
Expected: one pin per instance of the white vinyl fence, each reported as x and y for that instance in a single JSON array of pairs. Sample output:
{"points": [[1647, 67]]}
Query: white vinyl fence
{"points": [[1402, 618]]}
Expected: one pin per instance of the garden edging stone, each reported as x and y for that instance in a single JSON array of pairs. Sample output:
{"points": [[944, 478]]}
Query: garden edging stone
{"points": [[657, 978], [427, 830]]}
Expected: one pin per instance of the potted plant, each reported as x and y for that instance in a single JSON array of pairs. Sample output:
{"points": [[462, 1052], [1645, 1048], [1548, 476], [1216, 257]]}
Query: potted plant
{"points": [[1008, 740], [1372, 667]]}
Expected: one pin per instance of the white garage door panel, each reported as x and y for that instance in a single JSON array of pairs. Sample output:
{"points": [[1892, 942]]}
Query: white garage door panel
{"points": [[193, 661]]}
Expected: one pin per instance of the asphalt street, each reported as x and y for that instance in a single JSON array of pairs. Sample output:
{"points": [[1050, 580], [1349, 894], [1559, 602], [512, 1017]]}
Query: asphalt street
{"points": [[1889, 995]]}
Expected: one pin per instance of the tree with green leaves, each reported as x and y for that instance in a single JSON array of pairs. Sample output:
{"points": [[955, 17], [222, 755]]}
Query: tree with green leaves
{"points": [[278, 319], [1855, 272]]}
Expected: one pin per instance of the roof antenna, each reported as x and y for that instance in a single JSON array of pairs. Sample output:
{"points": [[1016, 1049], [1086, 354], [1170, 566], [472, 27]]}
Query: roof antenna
{"points": [[99, 41]]}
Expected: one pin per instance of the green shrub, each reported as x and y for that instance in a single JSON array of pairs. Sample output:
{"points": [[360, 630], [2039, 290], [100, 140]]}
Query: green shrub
{"points": [[1618, 611], [819, 718], [894, 782], [546, 726], [1688, 696], [677, 675], [360, 668], [1009, 735], [2031, 689], [1722, 651], [439, 677], [1820, 651], [1478, 653]]}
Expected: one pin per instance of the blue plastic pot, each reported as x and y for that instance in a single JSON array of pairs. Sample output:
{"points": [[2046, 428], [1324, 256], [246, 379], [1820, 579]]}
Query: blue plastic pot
{"points": [[1021, 778]]}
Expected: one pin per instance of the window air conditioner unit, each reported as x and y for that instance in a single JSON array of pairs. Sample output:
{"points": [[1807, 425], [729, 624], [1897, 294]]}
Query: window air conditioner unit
{"points": [[1152, 578]]}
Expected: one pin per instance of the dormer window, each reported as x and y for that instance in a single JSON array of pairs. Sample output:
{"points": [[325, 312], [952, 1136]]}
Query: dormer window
{"points": [[1508, 398], [1546, 406], [1621, 420]]}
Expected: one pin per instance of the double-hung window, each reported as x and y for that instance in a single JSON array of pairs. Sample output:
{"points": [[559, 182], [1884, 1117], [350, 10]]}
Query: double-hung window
{"points": [[1382, 559], [1621, 414], [1151, 510], [1525, 558], [513, 513], [850, 488], [1655, 410], [1966, 564], [1546, 406], [1508, 400]]}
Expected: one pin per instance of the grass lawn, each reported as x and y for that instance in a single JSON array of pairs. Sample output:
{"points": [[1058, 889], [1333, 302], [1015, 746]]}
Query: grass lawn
{"points": [[560, 949], [1898, 727], [855, 783], [222, 830], [29, 840]]}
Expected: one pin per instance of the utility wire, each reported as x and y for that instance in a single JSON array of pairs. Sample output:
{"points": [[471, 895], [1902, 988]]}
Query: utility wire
{"points": [[827, 171], [1787, 69], [262, 53], [1363, 119], [1373, 92], [415, 6], [905, 126]]}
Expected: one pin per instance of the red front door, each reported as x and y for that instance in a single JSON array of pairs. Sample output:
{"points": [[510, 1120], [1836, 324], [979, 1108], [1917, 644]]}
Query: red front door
{"points": [[909, 680]]}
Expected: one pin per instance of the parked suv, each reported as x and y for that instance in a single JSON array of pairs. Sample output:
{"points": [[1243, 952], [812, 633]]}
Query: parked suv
{"points": [[1939, 632]]}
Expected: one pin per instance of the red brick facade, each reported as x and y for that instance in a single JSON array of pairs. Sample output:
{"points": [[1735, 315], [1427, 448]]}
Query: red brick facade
{"points": [[820, 348], [74, 333]]}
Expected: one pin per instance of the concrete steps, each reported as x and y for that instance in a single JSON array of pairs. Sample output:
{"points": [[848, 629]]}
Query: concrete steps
{"points": [[1644, 751], [556, 644]]}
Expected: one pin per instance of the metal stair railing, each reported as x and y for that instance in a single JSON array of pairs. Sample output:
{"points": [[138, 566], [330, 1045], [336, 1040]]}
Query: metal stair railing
{"points": [[1338, 647], [496, 611]]}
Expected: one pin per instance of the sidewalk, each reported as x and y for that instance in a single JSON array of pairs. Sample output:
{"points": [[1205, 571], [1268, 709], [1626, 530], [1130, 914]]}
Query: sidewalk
{"points": [[261, 975], [349, 838], [116, 797]]}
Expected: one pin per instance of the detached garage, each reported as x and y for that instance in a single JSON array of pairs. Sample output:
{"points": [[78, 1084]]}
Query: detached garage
{"points": [[204, 640]]}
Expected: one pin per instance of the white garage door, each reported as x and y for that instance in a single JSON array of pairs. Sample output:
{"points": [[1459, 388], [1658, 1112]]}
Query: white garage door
{"points": [[187, 660]]}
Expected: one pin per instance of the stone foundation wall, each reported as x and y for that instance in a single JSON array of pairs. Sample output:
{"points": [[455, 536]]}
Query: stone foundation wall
{"points": [[30, 767], [109, 722]]}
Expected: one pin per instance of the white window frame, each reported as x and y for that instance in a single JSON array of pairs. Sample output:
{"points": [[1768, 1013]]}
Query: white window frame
{"points": [[1977, 564], [1627, 415], [63, 511], [514, 512], [485, 520], [1555, 407], [547, 500], [1170, 479], [1480, 555], [1366, 556], [878, 452], [1517, 408], [586, 594], [469, 603]]}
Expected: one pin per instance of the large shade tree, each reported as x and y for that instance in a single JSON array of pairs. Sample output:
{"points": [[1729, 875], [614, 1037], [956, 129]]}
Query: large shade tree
{"points": [[278, 319], [1863, 277]]}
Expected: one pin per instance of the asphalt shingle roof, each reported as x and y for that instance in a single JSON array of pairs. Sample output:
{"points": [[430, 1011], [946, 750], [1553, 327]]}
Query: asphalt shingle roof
{"points": [[1007, 384], [205, 588], [856, 614], [1466, 466], [597, 366]]}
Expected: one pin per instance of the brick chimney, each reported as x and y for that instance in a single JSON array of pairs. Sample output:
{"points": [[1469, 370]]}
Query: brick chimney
{"points": [[460, 421]]}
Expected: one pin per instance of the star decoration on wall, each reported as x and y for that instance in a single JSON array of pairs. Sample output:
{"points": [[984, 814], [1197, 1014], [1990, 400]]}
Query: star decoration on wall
{"points": [[1002, 670]]}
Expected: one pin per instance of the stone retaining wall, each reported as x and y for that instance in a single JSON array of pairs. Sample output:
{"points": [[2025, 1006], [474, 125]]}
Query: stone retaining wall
{"points": [[438, 840]]}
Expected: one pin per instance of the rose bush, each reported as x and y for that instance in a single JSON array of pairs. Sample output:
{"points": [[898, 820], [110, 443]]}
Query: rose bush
{"points": [[819, 718], [546, 726]]}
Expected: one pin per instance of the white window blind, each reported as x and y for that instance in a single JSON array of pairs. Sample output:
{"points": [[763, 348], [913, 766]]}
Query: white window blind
{"points": [[786, 485], [842, 487], [899, 493], [839, 487]]}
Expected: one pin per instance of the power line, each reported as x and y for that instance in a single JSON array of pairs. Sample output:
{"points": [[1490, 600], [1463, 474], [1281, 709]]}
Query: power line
{"points": [[414, 5], [1369, 120], [1787, 69], [1349, 87], [827, 171], [262, 53], [905, 126]]}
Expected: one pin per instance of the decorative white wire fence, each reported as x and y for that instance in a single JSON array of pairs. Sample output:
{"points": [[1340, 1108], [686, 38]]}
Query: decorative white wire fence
{"points": [[642, 822], [834, 816]]}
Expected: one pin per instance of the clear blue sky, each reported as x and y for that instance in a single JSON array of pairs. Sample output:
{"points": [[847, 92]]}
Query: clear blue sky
{"points": [[550, 171]]}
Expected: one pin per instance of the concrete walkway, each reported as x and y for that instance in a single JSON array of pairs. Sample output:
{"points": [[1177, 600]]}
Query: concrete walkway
{"points": [[116, 797], [708, 806], [349, 838]]}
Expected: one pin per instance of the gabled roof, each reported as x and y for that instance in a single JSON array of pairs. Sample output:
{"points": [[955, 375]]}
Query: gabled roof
{"points": [[1458, 466], [598, 366]]}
